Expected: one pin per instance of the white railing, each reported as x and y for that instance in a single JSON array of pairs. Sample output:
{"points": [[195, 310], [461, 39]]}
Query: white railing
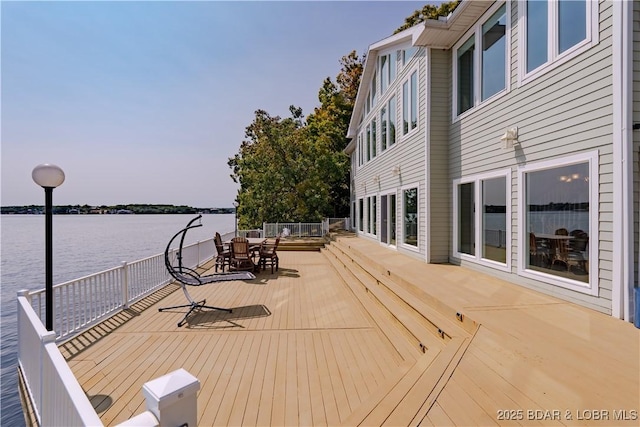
{"points": [[82, 303], [57, 398], [340, 223], [296, 229]]}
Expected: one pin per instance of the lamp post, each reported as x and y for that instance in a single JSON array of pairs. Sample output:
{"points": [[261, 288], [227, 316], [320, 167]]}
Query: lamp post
{"points": [[235, 205], [48, 177]]}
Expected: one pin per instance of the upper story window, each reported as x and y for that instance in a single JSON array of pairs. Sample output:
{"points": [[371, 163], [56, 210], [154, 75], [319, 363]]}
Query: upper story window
{"points": [[387, 68], [407, 54], [388, 124], [481, 62], [410, 104], [555, 30]]}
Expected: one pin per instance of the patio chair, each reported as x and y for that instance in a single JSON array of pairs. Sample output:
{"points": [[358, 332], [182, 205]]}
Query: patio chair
{"points": [[538, 253], [269, 255], [223, 256], [190, 277], [241, 255]]}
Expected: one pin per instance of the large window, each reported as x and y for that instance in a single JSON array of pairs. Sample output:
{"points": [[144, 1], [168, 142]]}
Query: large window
{"points": [[559, 209], [410, 104], [483, 234], [410, 216], [387, 66], [374, 138], [360, 214], [388, 219], [494, 53], [555, 29], [481, 62], [465, 69], [388, 124]]}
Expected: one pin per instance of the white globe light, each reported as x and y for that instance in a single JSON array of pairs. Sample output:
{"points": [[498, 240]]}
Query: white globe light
{"points": [[47, 175]]}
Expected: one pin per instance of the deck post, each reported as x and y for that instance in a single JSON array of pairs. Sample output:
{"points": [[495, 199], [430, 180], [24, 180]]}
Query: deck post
{"points": [[125, 284], [173, 399]]}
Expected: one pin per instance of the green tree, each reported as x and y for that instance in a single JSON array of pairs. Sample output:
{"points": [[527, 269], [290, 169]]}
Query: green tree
{"points": [[295, 170], [429, 11]]}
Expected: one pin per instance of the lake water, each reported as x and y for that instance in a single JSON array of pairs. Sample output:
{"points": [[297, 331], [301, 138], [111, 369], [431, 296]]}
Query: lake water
{"points": [[82, 245]]}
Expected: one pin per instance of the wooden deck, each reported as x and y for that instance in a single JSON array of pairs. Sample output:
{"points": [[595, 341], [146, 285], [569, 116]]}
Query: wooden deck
{"points": [[360, 335]]}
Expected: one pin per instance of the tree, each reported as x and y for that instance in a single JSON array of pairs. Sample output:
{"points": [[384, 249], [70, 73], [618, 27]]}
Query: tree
{"points": [[429, 11], [296, 170]]}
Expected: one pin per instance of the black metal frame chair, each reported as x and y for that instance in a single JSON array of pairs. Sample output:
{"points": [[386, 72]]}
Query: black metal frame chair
{"points": [[190, 277]]}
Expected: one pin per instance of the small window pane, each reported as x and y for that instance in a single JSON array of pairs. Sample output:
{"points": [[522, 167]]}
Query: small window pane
{"points": [[368, 142], [465, 75], [392, 219], [360, 215], [537, 33], [572, 20], [374, 215], [405, 107], [374, 138], [414, 100], [374, 88], [384, 73], [494, 219], [392, 68], [368, 215], [383, 128], [392, 121], [411, 217], [557, 221], [494, 45], [466, 219]]}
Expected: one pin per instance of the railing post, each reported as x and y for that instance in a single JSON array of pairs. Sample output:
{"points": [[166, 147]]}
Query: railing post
{"points": [[299, 229], [173, 398], [125, 284], [264, 230], [46, 338]]}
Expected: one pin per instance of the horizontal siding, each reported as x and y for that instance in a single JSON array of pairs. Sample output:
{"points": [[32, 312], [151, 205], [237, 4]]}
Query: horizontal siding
{"points": [[562, 112], [439, 191], [408, 152]]}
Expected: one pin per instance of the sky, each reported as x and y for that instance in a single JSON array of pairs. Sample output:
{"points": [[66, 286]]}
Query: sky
{"points": [[144, 102]]}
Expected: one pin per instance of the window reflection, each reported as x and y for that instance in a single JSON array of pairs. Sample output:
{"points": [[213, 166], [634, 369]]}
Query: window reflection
{"points": [[572, 22], [494, 53], [465, 76], [466, 219], [537, 29], [494, 219], [557, 220], [411, 216]]}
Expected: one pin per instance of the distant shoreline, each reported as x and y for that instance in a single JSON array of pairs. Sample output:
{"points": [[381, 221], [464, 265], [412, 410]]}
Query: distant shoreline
{"points": [[132, 209]]}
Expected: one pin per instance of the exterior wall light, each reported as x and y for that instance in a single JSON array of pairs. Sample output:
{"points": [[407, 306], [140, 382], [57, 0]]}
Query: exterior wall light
{"points": [[396, 170], [48, 177], [510, 138]]}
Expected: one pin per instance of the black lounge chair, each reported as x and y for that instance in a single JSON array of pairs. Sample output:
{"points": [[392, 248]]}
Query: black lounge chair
{"points": [[189, 277]]}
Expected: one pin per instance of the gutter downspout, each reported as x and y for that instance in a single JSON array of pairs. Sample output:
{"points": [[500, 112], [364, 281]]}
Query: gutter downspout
{"points": [[622, 275]]}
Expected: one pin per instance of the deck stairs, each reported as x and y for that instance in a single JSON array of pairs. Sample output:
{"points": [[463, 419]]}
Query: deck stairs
{"points": [[428, 335]]}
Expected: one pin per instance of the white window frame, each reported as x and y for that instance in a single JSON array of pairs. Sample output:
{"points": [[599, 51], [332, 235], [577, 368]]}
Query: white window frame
{"points": [[401, 235], [555, 59], [477, 63], [477, 200], [592, 287], [388, 194], [407, 81], [392, 58]]}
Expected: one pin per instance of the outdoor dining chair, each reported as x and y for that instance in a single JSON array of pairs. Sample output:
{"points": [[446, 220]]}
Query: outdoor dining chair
{"points": [[269, 255], [223, 256], [241, 255]]}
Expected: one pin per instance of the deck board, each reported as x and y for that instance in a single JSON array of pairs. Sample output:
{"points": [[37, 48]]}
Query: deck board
{"points": [[300, 348]]}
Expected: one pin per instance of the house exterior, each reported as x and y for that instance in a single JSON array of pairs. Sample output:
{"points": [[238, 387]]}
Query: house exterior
{"points": [[501, 138]]}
